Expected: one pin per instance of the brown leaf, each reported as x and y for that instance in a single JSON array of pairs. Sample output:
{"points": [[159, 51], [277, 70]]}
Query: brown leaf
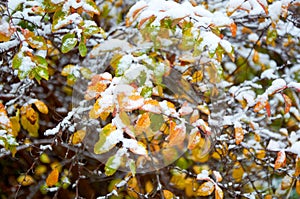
{"points": [[297, 166], [281, 159], [52, 178]]}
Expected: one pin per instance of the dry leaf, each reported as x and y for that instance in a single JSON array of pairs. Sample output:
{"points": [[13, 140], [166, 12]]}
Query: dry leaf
{"points": [[52, 178], [288, 103], [297, 166], [298, 187], [281, 159]]}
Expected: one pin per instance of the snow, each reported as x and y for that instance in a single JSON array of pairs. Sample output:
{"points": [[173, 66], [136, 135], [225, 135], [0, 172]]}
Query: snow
{"points": [[57, 1], [45, 147], [295, 148], [210, 40], [53, 131], [230, 66], [275, 10], [13, 4], [277, 85], [204, 175], [226, 45], [294, 85], [268, 74]]}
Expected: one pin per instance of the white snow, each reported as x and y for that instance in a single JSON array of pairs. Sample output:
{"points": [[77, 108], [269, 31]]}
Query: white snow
{"points": [[277, 85], [295, 148], [294, 85], [275, 10]]}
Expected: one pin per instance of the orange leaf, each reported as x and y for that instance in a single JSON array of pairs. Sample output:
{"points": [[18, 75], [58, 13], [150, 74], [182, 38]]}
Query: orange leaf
{"points": [[52, 178], [298, 187], [255, 57], [151, 106], [281, 159], [239, 135], [233, 29], [143, 122], [168, 194], [218, 176], [259, 106], [206, 189], [177, 134], [264, 5], [218, 193], [288, 103], [268, 108]]}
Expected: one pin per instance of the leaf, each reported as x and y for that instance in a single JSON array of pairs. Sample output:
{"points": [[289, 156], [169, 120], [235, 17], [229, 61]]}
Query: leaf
{"points": [[132, 167], [168, 194], [205, 189], [237, 172], [233, 28], [41, 106], [52, 178], [298, 187], [78, 136], [268, 109], [68, 42], [297, 166], [82, 49], [280, 160], [217, 176], [37, 42], [194, 139], [15, 121], [286, 182], [218, 193], [30, 120], [143, 123], [152, 106], [98, 147], [157, 121], [177, 134], [264, 5], [4, 121], [288, 103], [112, 165], [238, 134], [25, 180]]}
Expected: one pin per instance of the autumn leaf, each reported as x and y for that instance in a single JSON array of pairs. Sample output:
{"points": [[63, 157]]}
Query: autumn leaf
{"points": [[238, 134], [4, 122], [297, 166], [205, 189], [168, 194], [52, 178], [177, 134], [281, 159], [233, 28], [41, 106], [30, 120], [217, 176], [25, 180], [288, 103], [78, 136], [237, 172], [143, 123], [286, 182], [218, 193], [298, 187], [194, 139]]}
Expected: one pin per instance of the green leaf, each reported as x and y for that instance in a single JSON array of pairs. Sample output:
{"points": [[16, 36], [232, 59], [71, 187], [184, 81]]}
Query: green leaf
{"points": [[98, 148], [132, 167], [112, 165], [146, 92], [37, 42], [125, 118], [90, 31], [17, 61], [157, 121], [58, 17], [82, 49], [68, 42]]}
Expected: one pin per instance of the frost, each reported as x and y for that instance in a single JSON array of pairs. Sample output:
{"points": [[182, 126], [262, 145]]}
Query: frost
{"points": [[277, 85], [294, 85], [203, 175], [268, 74], [295, 148], [45, 147]]}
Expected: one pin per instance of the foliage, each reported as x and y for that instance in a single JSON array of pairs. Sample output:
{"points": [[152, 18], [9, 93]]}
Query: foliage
{"points": [[150, 99]]}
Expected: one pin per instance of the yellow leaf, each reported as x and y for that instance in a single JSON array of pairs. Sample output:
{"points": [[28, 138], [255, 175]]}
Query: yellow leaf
{"points": [[78, 136], [239, 135], [168, 194], [298, 187], [45, 158], [25, 180], [177, 134], [52, 178], [206, 189], [149, 186], [40, 169], [197, 76], [15, 121], [237, 172], [30, 120], [219, 193], [41, 106], [280, 160]]}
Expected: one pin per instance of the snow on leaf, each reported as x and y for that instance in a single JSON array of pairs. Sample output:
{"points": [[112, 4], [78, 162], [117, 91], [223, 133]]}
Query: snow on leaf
{"points": [[205, 189], [294, 85], [277, 85], [204, 175], [112, 164], [238, 134], [280, 160], [185, 109], [177, 134], [194, 139], [132, 102], [4, 120], [217, 176], [152, 106], [295, 148]]}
